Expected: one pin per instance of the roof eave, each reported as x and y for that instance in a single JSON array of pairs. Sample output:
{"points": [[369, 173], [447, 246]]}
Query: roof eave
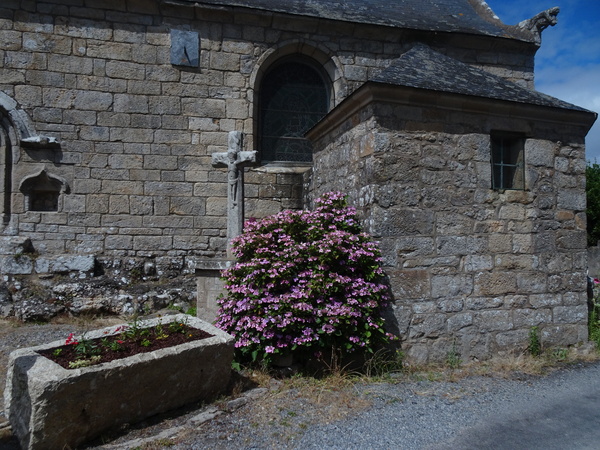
{"points": [[372, 92]]}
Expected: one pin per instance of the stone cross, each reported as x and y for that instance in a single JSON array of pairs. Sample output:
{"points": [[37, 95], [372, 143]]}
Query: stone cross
{"points": [[235, 159]]}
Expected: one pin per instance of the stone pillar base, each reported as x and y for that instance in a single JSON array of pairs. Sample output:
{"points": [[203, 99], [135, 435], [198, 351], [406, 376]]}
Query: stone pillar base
{"points": [[210, 286]]}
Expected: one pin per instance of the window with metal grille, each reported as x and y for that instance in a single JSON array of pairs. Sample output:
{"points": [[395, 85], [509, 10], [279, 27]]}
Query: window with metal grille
{"points": [[294, 96], [508, 168]]}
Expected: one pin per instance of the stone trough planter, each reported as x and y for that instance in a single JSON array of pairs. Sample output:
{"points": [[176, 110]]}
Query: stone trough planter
{"points": [[50, 407]]}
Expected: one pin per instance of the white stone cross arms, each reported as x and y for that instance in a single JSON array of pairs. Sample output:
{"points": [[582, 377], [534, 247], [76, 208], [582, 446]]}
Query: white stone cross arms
{"points": [[235, 160]]}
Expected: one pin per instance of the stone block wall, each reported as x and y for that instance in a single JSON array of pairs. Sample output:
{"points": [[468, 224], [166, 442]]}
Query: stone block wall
{"points": [[472, 269], [137, 133]]}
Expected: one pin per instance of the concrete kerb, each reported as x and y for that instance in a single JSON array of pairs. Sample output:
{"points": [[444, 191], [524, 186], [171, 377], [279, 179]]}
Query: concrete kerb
{"points": [[206, 414]]}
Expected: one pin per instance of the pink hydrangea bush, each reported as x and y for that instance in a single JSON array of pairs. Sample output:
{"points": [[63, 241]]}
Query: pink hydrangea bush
{"points": [[305, 281]]}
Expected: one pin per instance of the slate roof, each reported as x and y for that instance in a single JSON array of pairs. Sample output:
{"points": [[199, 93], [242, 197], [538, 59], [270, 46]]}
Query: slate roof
{"points": [[465, 16], [423, 68]]}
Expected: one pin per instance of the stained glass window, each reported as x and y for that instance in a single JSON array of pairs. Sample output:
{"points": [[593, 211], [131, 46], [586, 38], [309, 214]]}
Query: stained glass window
{"points": [[294, 97]]}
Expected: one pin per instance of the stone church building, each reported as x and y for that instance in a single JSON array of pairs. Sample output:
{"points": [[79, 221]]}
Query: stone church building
{"points": [[423, 111]]}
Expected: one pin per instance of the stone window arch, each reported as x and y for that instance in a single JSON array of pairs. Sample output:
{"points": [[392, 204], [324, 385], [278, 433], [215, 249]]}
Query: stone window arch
{"points": [[16, 132], [294, 95], [6, 166], [43, 192]]}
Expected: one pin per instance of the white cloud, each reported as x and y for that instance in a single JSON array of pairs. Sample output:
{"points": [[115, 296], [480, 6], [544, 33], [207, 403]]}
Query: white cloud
{"points": [[567, 65], [580, 86]]}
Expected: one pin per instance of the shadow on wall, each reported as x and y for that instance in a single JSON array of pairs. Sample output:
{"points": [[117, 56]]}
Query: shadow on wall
{"points": [[391, 320]]}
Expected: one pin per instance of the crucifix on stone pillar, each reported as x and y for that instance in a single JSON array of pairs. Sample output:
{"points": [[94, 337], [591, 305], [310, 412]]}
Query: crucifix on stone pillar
{"points": [[235, 159]]}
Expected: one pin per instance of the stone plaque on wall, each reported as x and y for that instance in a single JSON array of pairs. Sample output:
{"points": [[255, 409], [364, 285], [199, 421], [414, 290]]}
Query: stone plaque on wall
{"points": [[185, 48]]}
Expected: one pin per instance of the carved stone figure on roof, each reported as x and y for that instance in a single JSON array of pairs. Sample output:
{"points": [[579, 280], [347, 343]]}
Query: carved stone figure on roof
{"points": [[540, 22]]}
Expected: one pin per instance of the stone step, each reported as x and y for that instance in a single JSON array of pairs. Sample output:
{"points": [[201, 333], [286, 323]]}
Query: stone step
{"points": [[27, 263], [15, 245]]}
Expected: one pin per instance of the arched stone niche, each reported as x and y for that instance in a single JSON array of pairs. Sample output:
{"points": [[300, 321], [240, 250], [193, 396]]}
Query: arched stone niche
{"points": [[43, 192], [17, 132]]}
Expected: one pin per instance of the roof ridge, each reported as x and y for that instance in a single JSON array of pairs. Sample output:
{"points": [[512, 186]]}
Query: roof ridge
{"points": [[452, 16]]}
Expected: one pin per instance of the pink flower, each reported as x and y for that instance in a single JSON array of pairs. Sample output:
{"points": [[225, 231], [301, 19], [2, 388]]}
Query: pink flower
{"points": [[328, 328], [302, 276]]}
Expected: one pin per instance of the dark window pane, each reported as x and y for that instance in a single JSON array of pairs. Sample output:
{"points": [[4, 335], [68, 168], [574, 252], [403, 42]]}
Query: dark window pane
{"points": [[507, 163], [293, 98], [44, 201], [497, 178]]}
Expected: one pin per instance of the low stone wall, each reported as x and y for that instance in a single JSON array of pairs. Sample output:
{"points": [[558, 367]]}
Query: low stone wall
{"points": [[40, 287]]}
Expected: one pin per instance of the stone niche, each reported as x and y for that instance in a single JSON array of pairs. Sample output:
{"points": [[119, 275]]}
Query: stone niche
{"points": [[43, 192]]}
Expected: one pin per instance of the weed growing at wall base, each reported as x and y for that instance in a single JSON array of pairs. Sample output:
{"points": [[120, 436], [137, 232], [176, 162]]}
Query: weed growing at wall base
{"points": [[535, 345], [305, 282], [453, 357]]}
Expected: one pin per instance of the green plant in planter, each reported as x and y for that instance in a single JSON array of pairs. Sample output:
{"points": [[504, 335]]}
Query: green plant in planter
{"points": [[84, 362], [177, 327], [305, 282], [133, 330], [114, 345], [160, 332], [86, 348]]}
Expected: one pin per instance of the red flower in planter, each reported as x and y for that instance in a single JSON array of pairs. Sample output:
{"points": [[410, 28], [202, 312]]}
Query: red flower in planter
{"points": [[71, 340]]}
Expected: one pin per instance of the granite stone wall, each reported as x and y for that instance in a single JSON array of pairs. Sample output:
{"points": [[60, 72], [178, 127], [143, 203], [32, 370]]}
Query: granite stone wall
{"points": [[472, 269], [136, 132]]}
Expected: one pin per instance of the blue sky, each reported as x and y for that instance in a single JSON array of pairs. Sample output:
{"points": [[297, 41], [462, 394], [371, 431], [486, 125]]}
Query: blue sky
{"points": [[567, 66]]}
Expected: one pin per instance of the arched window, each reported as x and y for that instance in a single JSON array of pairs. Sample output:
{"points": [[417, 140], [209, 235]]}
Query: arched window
{"points": [[294, 96]]}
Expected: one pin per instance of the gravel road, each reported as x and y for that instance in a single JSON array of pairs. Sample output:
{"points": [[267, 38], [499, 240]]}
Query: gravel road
{"points": [[560, 411], [557, 411]]}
